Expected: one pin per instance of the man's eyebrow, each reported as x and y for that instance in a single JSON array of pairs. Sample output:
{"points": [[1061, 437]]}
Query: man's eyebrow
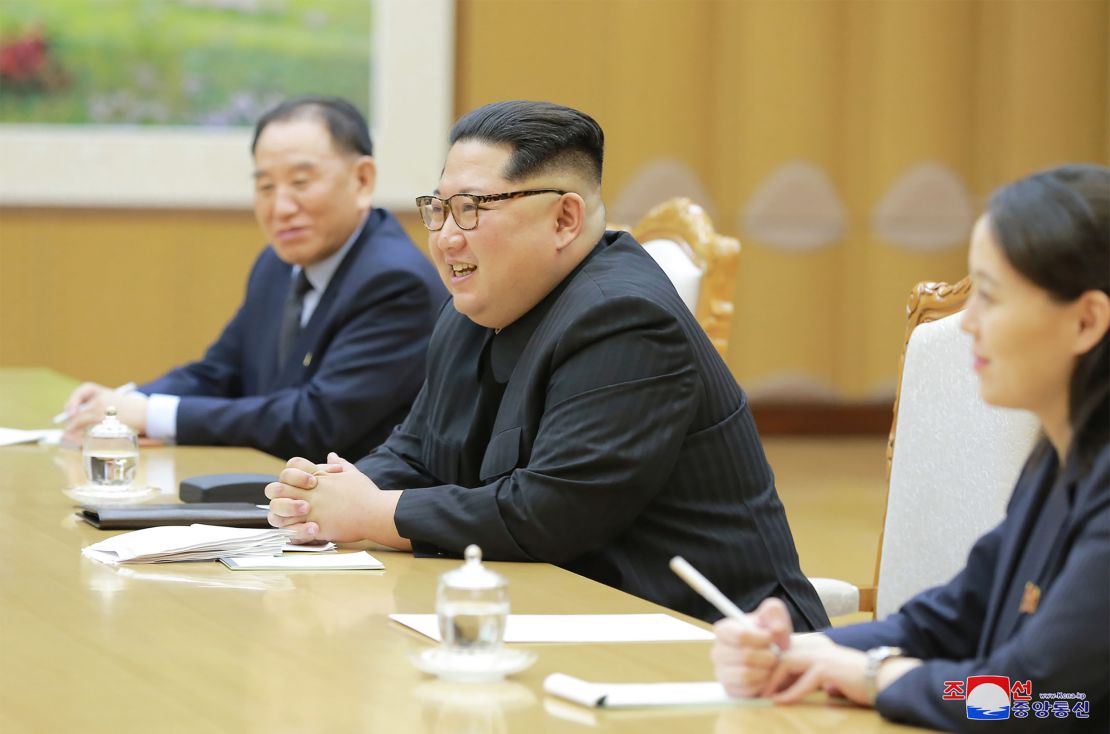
{"points": [[298, 166], [435, 192]]}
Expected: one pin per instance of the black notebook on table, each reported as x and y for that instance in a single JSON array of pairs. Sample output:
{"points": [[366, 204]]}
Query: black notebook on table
{"points": [[134, 517]]}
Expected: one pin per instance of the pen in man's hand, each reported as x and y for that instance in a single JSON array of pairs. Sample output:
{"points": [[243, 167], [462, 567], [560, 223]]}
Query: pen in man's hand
{"points": [[64, 416]]}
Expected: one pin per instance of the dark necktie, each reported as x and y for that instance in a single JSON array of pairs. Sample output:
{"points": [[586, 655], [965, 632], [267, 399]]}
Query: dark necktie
{"points": [[291, 316]]}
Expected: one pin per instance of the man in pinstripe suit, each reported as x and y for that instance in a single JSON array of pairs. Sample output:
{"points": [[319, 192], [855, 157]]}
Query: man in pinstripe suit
{"points": [[574, 412]]}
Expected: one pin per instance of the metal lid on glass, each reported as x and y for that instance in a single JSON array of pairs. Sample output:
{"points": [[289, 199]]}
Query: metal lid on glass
{"points": [[111, 427], [472, 574]]}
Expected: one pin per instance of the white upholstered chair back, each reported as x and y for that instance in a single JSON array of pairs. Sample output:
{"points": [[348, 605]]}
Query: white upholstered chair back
{"points": [[952, 461], [953, 465], [699, 262], [679, 267]]}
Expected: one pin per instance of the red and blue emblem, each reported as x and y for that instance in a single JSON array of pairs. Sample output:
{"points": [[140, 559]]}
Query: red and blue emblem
{"points": [[988, 697]]}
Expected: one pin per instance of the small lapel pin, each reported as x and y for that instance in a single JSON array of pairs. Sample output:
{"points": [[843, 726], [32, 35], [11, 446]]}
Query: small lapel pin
{"points": [[307, 359], [1030, 598]]}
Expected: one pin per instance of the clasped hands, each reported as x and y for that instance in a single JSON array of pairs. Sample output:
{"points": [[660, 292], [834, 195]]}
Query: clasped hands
{"points": [[333, 501]]}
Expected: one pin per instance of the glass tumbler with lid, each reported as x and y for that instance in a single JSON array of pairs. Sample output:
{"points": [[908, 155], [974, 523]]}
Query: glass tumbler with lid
{"points": [[472, 605], [111, 451]]}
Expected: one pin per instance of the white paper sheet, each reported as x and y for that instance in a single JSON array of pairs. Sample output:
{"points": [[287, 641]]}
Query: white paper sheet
{"points": [[637, 695], [186, 543], [578, 627], [309, 548], [13, 436], [360, 561]]}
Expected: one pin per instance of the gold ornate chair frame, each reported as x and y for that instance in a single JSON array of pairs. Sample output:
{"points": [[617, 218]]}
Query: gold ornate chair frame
{"points": [[928, 301], [716, 255]]}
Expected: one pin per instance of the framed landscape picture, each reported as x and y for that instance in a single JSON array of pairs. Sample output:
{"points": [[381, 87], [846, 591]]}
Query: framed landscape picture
{"points": [[133, 103]]}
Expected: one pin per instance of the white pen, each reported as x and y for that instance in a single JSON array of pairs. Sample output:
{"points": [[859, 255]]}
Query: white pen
{"points": [[711, 593], [64, 416]]}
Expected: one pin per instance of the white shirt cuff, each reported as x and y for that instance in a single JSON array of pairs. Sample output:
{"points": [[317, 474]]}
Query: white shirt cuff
{"points": [[161, 416]]}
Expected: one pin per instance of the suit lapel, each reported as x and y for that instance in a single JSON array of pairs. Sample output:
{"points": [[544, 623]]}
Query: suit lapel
{"points": [[269, 370], [521, 342], [1010, 553], [322, 314], [514, 345], [301, 353]]}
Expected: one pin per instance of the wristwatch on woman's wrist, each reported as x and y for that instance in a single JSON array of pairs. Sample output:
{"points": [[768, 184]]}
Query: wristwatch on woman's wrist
{"points": [[876, 656]]}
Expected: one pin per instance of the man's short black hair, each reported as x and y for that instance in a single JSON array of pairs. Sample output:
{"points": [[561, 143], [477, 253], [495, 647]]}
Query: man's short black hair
{"points": [[348, 128], [543, 136]]}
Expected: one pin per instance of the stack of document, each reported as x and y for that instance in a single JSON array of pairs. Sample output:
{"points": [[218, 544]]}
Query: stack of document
{"points": [[187, 543]]}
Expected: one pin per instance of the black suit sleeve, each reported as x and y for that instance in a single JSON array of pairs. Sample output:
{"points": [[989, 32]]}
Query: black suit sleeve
{"points": [[372, 366], [396, 463], [619, 400]]}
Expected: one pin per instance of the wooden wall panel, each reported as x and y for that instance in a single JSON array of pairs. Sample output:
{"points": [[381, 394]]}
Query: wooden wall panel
{"points": [[728, 90], [118, 295]]}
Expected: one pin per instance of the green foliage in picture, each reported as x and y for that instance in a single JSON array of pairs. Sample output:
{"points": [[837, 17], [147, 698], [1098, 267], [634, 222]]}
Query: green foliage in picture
{"points": [[177, 62]]}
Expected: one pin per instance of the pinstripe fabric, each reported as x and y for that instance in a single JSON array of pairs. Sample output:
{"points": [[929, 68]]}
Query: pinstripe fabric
{"points": [[621, 440]]}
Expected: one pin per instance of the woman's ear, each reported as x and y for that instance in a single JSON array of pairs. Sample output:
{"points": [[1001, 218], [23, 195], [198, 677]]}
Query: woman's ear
{"points": [[1093, 311]]}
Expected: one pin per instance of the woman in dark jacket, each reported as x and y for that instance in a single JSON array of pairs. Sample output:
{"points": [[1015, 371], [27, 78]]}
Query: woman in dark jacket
{"points": [[1032, 606]]}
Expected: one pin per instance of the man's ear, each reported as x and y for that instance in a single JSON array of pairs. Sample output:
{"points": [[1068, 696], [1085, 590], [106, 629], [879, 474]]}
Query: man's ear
{"points": [[569, 219], [1093, 320], [366, 175]]}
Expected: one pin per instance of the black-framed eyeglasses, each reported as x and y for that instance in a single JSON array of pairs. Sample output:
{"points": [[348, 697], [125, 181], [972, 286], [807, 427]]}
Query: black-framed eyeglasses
{"points": [[464, 207]]}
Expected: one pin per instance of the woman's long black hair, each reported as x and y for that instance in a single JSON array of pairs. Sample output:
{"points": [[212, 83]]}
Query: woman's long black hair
{"points": [[1054, 228]]}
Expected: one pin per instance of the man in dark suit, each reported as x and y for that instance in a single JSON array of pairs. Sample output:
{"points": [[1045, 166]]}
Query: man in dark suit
{"points": [[328, 347], [574, 411]]}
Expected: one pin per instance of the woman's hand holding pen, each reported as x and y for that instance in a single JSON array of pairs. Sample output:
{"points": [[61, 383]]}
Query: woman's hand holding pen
{"points": [[746, 654], [745, 664], [746, 651]]}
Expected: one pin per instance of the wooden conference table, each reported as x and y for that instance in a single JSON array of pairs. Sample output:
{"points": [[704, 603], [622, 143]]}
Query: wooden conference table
{"points": [[199, 648]]}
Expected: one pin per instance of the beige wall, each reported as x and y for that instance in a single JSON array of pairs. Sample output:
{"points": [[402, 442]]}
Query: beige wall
{"points": [[724, 94], [118, 295]]}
